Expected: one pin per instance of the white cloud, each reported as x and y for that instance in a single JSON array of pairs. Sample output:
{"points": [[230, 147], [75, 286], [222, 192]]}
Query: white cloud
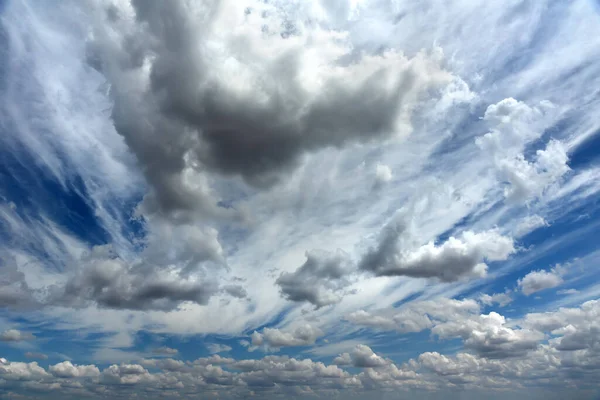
{"points": [[361, 357], [272, 338], [455, 258], [529, 224], [502, 299], [536, 281], [383, 174], [218, 348], [15, 335], [66, 369]]}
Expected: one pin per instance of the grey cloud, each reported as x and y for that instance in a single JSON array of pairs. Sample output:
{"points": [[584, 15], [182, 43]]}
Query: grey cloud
{"points": [[456, 258], [319, 280], [273, 338], [15, 335], [197, 111], [502, 299], [39, 356], [110, 282], [236, 291], [165, 350], [361, 357], [14, 290]]}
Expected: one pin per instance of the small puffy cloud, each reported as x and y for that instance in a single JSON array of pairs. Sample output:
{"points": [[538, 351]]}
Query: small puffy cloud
{"points": [[66, 369], [214, 348], [14, 335], [456, 258], [536, 281], [319, 280], [530, 179], [236, 291], [273, 338], [502, 299], [125, 374], [362, 356], [383, 174]]}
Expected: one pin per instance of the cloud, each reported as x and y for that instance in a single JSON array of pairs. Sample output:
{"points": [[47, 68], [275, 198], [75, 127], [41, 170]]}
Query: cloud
{"points": [[14, 290], [361, 357], [416, 316], [218, 348], [165, 350], [536, 281], [529, 224], [383, 174], [39, 356], [296, 95], [489, 336], [274, 338], [14, 335], [567, 291], [66, 369], [455, 258], [319, 280], [531, 179], [110, 282], [502, 299], [236, 291]]}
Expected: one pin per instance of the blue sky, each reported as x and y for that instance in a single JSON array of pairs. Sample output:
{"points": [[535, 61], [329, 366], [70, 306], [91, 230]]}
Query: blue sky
{"points": [[351, 199]]}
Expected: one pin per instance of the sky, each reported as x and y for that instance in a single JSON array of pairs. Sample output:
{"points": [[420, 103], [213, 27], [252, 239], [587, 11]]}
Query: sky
{"points": [[341, 199]]}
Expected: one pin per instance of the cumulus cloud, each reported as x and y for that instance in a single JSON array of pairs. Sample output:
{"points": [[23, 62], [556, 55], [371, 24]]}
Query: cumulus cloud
{"points": [[14, 290], [319, 280], [109, 281], [15, 335], [502, 299], [361, 357], [536, 281], [455, 258], [273, 338], [490, 336], [300, 88], [383, 174], [514, 125], [66, 369]]}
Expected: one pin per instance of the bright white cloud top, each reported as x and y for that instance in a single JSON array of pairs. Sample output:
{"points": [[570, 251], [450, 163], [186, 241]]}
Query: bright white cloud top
{"points": [[353, 199]]}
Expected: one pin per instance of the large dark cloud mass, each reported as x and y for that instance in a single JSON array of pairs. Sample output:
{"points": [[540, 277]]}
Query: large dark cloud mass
{"points": [[242, 89]]}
